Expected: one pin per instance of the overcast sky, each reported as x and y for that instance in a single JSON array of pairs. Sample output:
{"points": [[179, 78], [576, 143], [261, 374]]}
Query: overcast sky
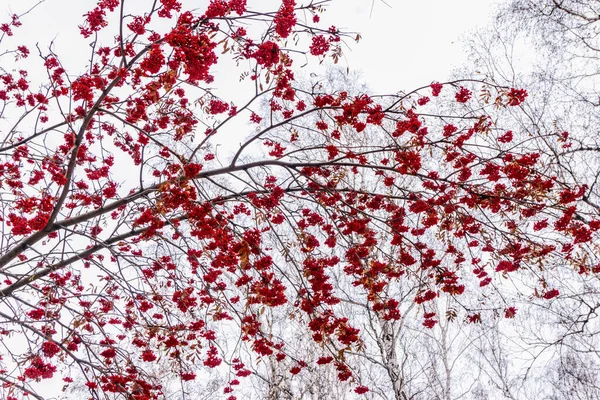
{"points": [[408, 43], [404, 44]]}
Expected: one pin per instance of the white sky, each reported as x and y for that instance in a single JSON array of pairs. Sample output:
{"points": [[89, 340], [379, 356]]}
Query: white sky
{"points": [[405, 43], [408, 43]]}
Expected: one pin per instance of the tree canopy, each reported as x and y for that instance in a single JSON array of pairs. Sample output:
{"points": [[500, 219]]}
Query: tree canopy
{"points": [[139, 261]]}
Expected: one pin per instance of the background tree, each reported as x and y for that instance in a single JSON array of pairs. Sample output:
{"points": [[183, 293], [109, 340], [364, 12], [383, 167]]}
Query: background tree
{"points": [[551, 49]]}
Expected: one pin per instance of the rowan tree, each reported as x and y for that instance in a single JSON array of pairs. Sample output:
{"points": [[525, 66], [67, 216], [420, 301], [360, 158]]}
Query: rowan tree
{"points": [[135, 256]]}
